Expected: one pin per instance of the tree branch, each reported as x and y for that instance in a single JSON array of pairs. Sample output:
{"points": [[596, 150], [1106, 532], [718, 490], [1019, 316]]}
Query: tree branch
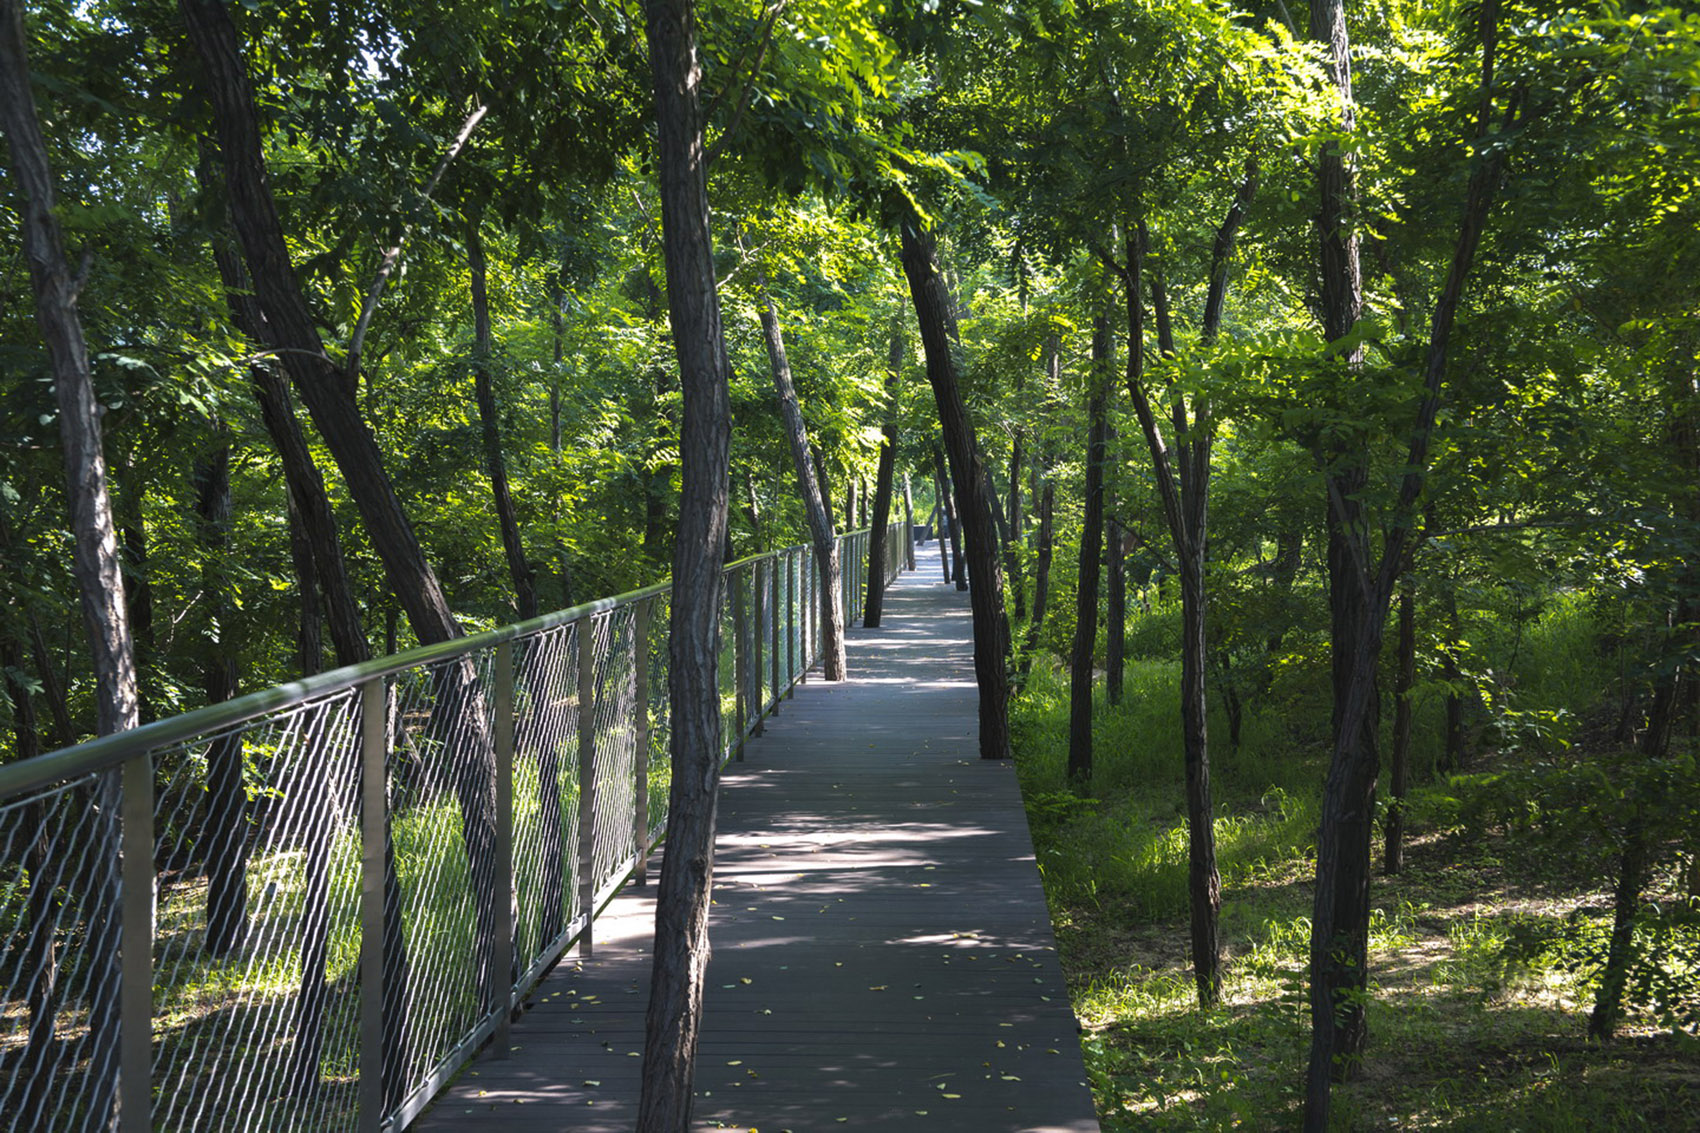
{"points": [[748, 92], [357, 341]]}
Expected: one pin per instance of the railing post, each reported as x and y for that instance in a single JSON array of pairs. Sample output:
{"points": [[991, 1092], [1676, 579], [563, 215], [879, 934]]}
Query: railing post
{"points": [[373, 800], [640, 701], [502, 962], [758, 646], [135, 943], [773, 568], [586, 631], [740, 661], [792, 561]]}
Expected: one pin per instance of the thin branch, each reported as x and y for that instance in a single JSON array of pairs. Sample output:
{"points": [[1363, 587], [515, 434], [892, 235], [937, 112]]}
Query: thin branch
{"points": [[749, 89], [357, 341]]}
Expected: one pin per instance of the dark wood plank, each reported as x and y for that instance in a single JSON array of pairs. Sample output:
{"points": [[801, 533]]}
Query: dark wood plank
{"points": [[883, 953]]}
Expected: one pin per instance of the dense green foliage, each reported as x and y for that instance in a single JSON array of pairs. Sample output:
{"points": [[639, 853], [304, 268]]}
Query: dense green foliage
{"points": [[1553, 568]]}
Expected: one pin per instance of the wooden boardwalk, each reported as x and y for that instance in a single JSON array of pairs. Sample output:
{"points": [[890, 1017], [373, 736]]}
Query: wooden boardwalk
{"points": [[882, 958]]}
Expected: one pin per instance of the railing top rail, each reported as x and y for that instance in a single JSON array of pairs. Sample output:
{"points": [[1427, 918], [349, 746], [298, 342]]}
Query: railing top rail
{"points": [[106, 752]]}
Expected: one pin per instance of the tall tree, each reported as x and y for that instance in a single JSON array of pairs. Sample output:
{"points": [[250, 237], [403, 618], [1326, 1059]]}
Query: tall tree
{"points": [[94, 551], [874, 604], [816, 505], [1091, 556], [937, 318], [674, 1017]]}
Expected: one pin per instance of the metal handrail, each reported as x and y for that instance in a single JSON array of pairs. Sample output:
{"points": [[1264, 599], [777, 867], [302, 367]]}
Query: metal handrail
{"points": [[564, 701]]}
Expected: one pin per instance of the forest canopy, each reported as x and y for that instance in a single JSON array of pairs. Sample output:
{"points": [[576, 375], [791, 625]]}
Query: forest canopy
{"points": [[1327, 383]]}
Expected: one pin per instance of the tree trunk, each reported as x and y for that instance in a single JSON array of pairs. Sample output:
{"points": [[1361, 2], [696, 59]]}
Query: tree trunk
{"points": [[991, 627], [1041, 580], [681, 913], [1361, 584], [941, 509], [484, 391], [1115, 629], [908, 526], [1012, 531], [94, 546], [1394, 851], [942, 471], [227, 802], [815, 498], [138, 594], [874, 603], [1091, 556]]}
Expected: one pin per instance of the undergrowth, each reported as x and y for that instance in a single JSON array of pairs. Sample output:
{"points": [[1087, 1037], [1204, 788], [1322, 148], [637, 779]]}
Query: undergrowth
{"points": [[1484, 951]]}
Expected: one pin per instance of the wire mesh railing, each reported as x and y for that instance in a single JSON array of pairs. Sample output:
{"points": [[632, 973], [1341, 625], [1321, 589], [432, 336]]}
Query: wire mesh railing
{"points": [[306, 909]]}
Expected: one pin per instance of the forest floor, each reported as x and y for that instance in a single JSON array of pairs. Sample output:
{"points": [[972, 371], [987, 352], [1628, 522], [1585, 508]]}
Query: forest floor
{"points": [[1481, 952]]}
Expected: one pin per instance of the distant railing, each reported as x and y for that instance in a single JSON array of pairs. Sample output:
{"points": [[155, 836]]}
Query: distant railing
{"points": [[306, 908]]}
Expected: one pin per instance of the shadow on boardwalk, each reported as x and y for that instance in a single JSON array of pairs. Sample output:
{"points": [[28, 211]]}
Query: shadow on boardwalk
{"points": [[882, 952]]}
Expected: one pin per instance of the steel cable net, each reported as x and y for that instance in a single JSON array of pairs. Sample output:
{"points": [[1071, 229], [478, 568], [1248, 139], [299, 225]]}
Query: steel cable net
{"points": [[660, 765], [610, 784], [59, 955], [545, 790], [256, 937], [441, 789]]}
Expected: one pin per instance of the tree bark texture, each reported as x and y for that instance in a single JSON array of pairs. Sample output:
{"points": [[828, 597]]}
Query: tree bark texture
{"points": [[815, 499], [1085, 648], [94, 548], [874, 603], [674, 1016], [484, 391], [934, 313]]}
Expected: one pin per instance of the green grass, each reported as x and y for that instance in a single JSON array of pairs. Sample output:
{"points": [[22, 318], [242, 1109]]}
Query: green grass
{"points": [[1479, 980]]}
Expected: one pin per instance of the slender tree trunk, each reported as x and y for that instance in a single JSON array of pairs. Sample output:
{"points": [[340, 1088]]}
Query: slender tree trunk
{"points": [[94, 546], [942, 511], [1362, 583], [1115, 629], [227, 803], [991, 627], [138, 592], [908, 526], [1091, 556], [1393, 856], [1013, 532], [1041, 580], [815, 498], [941, 471], [874, 604], [681, 916], [484, 391]]}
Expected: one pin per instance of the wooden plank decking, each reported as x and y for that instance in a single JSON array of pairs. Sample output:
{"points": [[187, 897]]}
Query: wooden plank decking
{"points": [[882, 952]]}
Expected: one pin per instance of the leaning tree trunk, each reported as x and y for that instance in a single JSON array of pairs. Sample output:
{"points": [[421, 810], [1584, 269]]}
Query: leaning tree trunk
{"points": [[815, 499], [674, 1016], [460, 715], [991, 628], [94, 544], [1091, 556], [908, 525], [874, 604]]}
